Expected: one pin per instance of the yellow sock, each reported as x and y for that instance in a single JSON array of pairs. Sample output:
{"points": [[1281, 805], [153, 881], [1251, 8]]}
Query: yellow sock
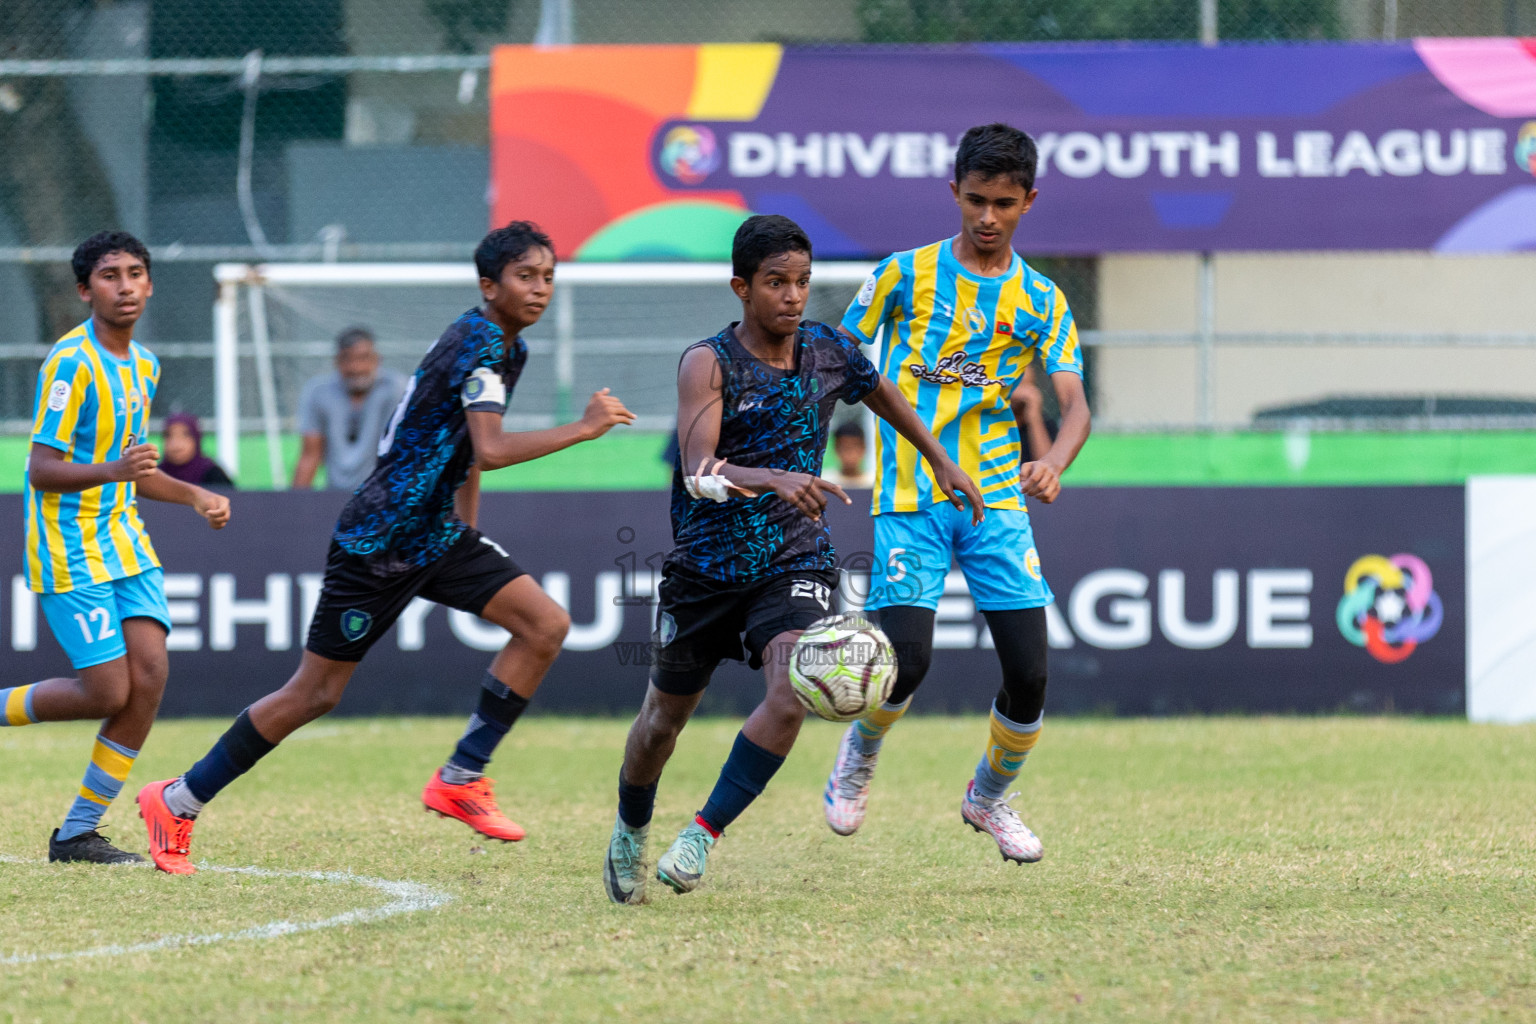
{"points": [[1004, 759], [16, 705], [871, 729]]}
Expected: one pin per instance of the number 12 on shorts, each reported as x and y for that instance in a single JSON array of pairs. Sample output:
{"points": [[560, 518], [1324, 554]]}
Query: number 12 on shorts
{"points": [[96, 615]]}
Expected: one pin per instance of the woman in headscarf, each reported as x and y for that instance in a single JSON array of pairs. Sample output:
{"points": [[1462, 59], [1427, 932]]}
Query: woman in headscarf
{"points": [[183, 456]]}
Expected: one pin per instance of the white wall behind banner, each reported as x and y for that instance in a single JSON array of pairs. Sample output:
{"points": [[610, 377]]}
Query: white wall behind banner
{"points": [[1501, 599]]}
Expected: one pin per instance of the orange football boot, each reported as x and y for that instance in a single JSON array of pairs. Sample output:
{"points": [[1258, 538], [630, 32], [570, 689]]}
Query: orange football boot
{"points": [[472, 803], [169, 836]]}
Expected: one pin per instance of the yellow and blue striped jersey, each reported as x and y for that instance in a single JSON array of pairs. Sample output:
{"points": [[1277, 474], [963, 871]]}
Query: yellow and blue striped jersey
{"points": [[956, 344], [91, 406]]}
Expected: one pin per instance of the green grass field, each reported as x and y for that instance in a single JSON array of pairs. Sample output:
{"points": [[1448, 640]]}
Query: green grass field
{"points": [[1203, 870]]}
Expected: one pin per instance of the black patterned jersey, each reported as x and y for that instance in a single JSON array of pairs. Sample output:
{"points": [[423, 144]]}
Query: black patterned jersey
{"points": [[775, 419], [402, 516]]}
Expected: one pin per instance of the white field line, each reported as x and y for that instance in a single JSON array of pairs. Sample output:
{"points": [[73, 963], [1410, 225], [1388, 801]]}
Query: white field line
{"points": [[405, 898]]}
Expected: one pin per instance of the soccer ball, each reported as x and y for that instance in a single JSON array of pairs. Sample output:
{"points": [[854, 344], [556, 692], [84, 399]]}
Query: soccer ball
{"points": [[842, 667]]}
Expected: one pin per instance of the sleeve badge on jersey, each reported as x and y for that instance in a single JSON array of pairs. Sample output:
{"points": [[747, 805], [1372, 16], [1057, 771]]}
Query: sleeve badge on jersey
{"points": [[484, 387], [58, 396], [867, 292]]}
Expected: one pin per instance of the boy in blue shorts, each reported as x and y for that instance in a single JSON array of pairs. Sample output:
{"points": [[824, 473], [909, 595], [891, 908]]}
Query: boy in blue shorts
{"points": [[87, 553], [963, 318]]}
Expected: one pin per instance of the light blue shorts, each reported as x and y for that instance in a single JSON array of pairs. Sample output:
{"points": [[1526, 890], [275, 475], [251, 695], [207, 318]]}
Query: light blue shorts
{"points": [[88, 621], [913, 552]]}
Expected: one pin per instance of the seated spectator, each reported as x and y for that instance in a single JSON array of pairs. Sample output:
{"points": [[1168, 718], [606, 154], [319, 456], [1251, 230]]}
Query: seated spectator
{"points": [[849, 449], [343, 414], [183, 458]]}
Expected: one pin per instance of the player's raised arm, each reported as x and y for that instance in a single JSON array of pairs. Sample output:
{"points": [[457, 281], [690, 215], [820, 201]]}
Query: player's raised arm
{"points": [[49, 471], [887, 402], [211, 505], [1041, 479], [495, 448], [698, 434]]}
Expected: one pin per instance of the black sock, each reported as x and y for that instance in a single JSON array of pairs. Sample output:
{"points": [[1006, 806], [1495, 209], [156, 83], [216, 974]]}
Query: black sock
{"points": [[636, 803], [236, 752], [499, 708], [745, 774]]}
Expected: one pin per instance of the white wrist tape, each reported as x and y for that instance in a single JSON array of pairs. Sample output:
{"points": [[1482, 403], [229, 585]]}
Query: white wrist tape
{"points": [[711, 485]]}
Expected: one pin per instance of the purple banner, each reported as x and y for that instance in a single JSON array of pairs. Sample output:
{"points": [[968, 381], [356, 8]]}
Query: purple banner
{"points": [[1168, 600], [1427, 145]]}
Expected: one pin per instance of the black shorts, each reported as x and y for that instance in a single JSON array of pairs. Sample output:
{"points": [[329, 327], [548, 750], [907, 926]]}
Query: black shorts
{"points": [[357, 607], [701, 622]]}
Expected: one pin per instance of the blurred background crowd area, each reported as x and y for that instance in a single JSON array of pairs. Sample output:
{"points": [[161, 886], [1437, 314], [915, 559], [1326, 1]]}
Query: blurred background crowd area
{"points": [[252, 130]]}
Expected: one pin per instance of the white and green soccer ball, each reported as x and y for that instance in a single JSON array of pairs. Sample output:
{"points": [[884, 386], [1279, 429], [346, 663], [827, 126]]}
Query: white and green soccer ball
{"points": [[842, 667]]}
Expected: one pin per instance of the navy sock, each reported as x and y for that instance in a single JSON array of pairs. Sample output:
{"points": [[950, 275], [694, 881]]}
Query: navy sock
{"points": [[499, 708], [746, 772], [636, 803], [236, 753]]}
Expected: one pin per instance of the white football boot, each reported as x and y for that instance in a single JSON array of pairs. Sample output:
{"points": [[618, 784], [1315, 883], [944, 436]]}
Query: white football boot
{"points": [[1000, 821], [847, 792]]}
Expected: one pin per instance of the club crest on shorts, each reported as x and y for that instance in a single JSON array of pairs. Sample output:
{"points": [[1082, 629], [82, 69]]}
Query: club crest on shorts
{"points": [[355, 623], [1032, 563], [666, 629]]}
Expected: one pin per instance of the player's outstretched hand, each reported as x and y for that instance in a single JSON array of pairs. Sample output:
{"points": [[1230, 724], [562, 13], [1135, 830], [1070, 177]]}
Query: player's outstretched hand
{"points": [[212, 507], [137, 463], [961, 490], [1040, 479], [807, 493], [604, 412]]}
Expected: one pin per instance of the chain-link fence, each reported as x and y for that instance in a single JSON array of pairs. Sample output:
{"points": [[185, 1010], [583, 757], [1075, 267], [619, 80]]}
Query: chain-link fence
{"points": [[358, 129]]}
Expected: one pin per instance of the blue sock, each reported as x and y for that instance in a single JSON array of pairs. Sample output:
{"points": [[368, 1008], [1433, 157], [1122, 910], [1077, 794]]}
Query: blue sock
{"points": [[16, 705], [236, 753], [636, 803], [110, 763], [499, 709], [746, 772], [1011, 743]]}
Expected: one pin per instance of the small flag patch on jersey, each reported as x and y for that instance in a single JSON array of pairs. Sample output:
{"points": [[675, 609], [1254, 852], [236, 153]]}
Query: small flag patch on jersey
{"points": [[1004, 327]]}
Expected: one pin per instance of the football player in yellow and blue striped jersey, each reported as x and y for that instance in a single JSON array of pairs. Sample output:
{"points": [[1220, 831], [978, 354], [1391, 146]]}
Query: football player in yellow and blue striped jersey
{"points": [[961, 321], [87, 552]]}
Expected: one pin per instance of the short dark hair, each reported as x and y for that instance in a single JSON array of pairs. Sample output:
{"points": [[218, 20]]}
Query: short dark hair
{"points": [[102, 244], [848, 428], [352, 336], [504, 245], [996, 149], [761, 237]]}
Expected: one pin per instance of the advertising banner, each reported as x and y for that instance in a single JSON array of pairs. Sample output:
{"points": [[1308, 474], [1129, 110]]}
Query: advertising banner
{"points": [[1168, 600], [657, 152]]}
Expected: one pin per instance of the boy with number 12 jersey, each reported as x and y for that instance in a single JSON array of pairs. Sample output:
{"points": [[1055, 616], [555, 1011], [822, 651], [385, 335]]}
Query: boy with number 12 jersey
{"points": [[962, 320], [88, 555]]}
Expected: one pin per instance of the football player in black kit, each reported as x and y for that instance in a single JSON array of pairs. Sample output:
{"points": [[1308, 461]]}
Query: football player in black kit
{"points": [[410, 530], [753, 557]]}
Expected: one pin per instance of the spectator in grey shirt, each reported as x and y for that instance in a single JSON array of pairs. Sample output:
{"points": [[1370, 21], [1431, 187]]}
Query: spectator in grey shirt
{"points": [[343, 414]]}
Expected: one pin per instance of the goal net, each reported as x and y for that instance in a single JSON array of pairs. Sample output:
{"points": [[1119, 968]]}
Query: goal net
{"points": [[617, 325]]}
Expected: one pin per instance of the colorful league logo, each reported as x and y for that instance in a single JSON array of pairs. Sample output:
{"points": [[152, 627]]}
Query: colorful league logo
{"points": [[1389, 606], [689, 153], [1525, 146]]}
